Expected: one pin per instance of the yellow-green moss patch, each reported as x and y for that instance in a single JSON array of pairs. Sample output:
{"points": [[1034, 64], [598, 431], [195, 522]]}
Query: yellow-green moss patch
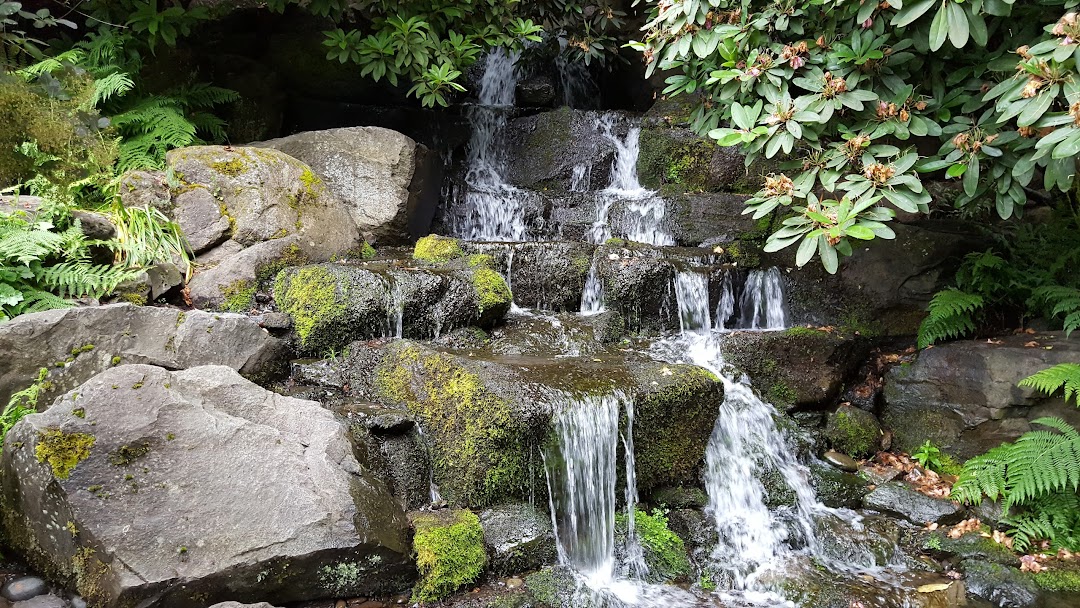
{"points": [[231, 167], [239, 295], [437, 249], [62, 451], [665, 552], [450, 553], [309, 296], [491, 290]]}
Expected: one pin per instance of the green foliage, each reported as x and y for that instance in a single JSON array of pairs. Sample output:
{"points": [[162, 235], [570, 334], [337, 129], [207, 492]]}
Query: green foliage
{"points": [[929, 456], [1060, 300], [665, 552], [449, 553], [145, 236], [951, 313], [845, 90], [1037, 476], [23, 403], [1064, 376]]}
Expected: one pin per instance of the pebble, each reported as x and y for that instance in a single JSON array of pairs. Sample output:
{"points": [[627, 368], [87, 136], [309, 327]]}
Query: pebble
{"points": [[514, 583], [340, 604], [41, 601], [78, 602], [24, 588], [841, 461]]}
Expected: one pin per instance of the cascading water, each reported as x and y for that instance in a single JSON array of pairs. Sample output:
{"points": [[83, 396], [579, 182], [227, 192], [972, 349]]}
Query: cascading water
{"points": [[745, 443], [581, 178], [762, 304], [725, 308], [491, 208], [645, 210], [592, 297]]}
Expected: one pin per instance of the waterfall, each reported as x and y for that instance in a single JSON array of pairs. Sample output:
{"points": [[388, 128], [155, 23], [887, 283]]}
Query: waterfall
{"points": [[581, 179], [581, 479], [745, 445], [725, 308], [395, 310], [762, 304], [492, 209], [592, 297], [692, 295], [645, 210], [575, 82]]}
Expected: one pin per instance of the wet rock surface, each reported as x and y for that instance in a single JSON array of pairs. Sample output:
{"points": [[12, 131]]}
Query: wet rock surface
{"points": [[74, 344], [128, 461], [903, 501], [963, 397], [518, 538]]}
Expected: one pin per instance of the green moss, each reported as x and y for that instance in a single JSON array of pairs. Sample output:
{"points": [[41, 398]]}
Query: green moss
{"points": [[551, 587], [481, 260], [800, 331], [291, 255], [231, 167], [676, 161], [115, 360], [309, 296], [1059, 580], [853, 431], [63, 451], [449, 553], [615, 242], [581, 263], [744, 254], [313, 186], [239, 295], [126, 454], [477, 452], [79, 412], [492, 291], [367, 252], [436, 249], [665, 552], [781, 394], [133, 298]]}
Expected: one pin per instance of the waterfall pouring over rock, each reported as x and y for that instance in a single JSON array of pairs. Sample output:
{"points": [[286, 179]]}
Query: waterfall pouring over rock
{"points": [[491, 207]]}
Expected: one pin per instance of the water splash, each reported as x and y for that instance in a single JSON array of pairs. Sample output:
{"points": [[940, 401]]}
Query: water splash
{"points": [[395, 309], [491, 208]]}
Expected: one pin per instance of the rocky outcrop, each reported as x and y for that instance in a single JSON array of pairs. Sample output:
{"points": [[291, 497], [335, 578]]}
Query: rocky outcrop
{"points": [[518, 538], [74, 344], [901, 500], [963, 397], [334, 304], [543, 275], [296, 517], [388, 182], [486, 417], [544, 149], [799, 367], [269, 200]]}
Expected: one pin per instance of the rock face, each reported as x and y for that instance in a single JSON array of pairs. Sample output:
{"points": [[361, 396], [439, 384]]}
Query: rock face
{"points": [[487, 417], [269, 201], [518, 538], [548, 276], [544, 149], [334, 304], [293, 516], [388, 182], [76, 343], [963, 395], [901, 500]]}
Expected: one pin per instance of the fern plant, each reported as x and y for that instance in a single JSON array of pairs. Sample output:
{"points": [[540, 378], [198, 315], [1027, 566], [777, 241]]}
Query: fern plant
{"points": [[22, 403], [1060, 301], [1037, 476], [951, 316]]}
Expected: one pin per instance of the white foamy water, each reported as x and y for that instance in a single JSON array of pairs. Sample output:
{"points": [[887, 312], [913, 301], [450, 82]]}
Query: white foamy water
{"points": [[492, 209], [763, 305]]}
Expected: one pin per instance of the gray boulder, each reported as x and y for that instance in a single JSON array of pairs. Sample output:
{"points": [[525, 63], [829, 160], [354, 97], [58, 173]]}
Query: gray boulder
{"points": [[264, 196], [963, 395], [902, 500], [1001, 585], [544, 149], [145, 189], [74, 344], [384, 178], [121, 492], [543, 275]]}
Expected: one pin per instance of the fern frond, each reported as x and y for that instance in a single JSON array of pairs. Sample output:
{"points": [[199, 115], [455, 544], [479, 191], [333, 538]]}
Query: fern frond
{"points": [[26, 246], [1054, 517], [1063, 376], [112, 85], [40, 301], [203, 95], [79, 279], [1061, 300], [950, 316]]}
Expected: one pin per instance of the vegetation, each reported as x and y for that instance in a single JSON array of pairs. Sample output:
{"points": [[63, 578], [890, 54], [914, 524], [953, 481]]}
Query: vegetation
{"points": [[665, 552], [449, 553], [1037, 476], [856, 97]]}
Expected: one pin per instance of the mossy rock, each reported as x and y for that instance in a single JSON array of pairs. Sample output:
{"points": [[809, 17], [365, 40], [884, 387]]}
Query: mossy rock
{"points": [[480, 438], [798, 367], [664, 552], [449, 547], [435, 249], [853, 431]]}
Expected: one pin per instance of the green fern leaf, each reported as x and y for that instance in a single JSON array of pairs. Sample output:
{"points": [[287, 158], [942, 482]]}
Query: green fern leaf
{"points": [[950, 316], [1063, 376]]}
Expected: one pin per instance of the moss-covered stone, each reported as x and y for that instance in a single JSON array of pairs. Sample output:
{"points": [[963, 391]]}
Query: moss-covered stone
{"points": [[437, 249], [676, 160], [492, 292], [665, 552], [478, 442], [62, 451], [449, 547], [310, 297], [1063, 578], [853, 431], [554, 587], [231, 167], [239, 296], [673, 420]]}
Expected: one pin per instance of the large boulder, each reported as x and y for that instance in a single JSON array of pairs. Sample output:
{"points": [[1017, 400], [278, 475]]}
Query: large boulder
{"points": [[963, 396], [266, 198], [388, 182], [545, 148], [73, 344], [543, 275], [119, 490]]}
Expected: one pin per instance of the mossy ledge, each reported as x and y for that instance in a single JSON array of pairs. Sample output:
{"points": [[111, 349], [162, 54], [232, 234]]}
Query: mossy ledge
{"points": [[309, 296], [450, 554], [478, 442]]}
